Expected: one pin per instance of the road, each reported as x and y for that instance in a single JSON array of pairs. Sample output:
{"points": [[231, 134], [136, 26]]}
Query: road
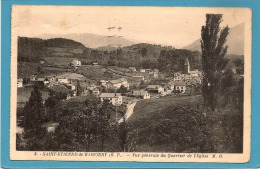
{"points": [[129, 112]]}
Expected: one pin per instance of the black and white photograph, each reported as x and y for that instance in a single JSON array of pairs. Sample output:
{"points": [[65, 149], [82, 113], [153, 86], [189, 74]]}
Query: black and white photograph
{"points": [[130, 83]]}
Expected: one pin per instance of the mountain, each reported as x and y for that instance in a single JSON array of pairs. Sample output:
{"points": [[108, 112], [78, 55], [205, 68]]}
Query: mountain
{"points": [[235, 41], [34, 49], [92, 40]]}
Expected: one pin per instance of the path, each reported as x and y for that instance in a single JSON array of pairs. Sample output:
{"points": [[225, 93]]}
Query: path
{"points": [[129, 112]]}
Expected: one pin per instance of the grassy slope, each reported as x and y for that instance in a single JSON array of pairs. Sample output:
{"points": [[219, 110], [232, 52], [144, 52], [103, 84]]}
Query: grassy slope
{"points": [[147, 112]]}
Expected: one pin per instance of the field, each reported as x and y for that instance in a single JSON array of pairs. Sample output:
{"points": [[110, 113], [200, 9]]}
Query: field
{"points": [[147, 112], [59, 60]]}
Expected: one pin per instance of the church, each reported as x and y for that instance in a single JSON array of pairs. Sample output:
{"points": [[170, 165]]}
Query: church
{"points": [[193, 73]]}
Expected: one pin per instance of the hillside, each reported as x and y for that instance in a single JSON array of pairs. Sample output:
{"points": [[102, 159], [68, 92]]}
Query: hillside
{"points": [[92, 40], [235, 41], [34, 49]]}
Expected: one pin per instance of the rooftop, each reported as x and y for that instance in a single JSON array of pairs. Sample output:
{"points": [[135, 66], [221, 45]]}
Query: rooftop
{"points": [[110, 95]]}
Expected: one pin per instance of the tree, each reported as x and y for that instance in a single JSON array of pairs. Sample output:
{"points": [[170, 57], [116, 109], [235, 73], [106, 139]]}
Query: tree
{"points": [[34, 111], [142, 85], [213, 48], [122, 89], [78, 89], [239, 66], [227, 79], [34, 118]]}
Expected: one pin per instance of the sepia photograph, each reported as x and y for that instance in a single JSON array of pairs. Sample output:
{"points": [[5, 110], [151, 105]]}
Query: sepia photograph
{"points": [[151, 84]]}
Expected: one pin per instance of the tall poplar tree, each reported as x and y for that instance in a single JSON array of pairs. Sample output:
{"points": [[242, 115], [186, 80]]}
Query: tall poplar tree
{"points": [[214, 49]]}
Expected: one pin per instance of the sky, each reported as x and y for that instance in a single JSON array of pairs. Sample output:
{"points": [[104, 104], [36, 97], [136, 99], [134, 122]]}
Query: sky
{"points": [[170, 26]]}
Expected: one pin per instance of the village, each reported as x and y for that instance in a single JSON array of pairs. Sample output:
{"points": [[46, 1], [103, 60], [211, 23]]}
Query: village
{"points": [[125, 86]]}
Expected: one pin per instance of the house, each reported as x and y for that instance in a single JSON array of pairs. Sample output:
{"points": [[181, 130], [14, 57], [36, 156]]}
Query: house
{"points": [[195, 73], [114, 98], [63, 80], [103, 82], [176, 74], [138, 78], [148, 70], [155, 88], [177, 78], [42, 62], [132, 69], [71, 86], [75, 63], [142, 70], [95, 64], [180, 86], [19, 82], [140, 94]]}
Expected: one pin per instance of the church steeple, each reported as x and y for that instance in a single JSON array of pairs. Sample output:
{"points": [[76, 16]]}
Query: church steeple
{"points": [[187, 66]]}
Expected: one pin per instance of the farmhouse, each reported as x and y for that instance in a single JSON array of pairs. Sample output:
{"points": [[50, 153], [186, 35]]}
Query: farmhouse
{"points": [[19, 82], [180, 86], [155, 88], [140, 94], [114, 98], [75, 63]]}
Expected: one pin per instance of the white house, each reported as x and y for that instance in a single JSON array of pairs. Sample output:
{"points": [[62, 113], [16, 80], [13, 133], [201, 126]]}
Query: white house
{"points": [[140, 94], [142, 70], [180, 86], [75, 63], [155, 88], [19, 82], [114, 98], [95, 64]]}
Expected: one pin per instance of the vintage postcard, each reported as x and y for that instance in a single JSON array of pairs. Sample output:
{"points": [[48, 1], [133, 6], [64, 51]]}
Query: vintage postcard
{"points": [[144, 84]]}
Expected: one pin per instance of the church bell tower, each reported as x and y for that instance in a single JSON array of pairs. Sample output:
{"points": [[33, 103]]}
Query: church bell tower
{"points": [[187, 66]]}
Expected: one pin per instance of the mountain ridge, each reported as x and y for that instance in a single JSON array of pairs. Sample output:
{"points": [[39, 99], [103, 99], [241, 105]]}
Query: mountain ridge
{"points": [[234, 41], [92, 40]]}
